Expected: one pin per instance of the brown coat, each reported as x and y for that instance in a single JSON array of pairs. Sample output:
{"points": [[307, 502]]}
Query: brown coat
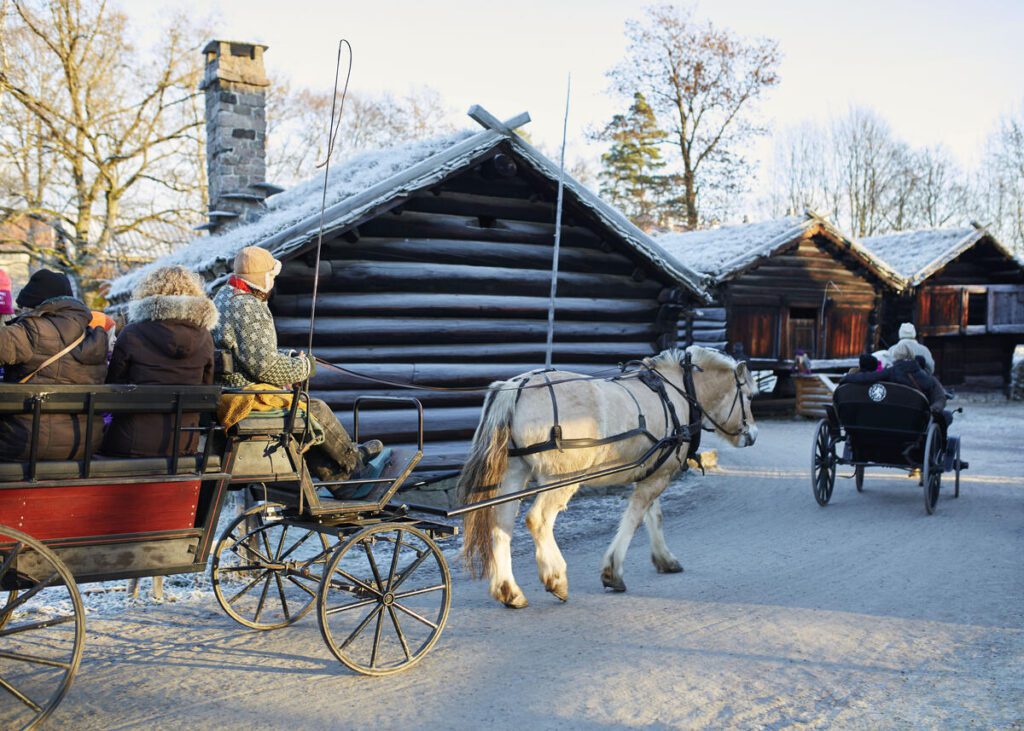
{"points": [[167, 342], [25, 344]]}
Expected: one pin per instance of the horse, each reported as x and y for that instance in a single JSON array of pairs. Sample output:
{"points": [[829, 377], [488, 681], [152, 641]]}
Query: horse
{"points": [[519, 412]]}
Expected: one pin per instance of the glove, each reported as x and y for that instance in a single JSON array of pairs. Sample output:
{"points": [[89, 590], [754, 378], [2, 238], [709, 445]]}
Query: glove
{"points": [[312, 364]]}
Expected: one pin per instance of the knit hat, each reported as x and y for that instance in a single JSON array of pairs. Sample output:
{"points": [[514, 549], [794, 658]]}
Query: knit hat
{"points": [[257, 267], [908, 331], [6, 300], [44, 285]]}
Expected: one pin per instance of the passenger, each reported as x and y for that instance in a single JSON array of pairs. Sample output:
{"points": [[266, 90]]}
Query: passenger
{"points": [[908, 348], [867, 363], [909, 373], [167, 342], [50, 343], [246, 330]]}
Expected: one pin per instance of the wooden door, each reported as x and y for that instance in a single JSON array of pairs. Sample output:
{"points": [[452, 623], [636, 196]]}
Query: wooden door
{"points": [[802, 332]]}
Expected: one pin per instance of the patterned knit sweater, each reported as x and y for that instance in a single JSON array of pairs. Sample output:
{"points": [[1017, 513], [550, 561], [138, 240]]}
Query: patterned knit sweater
{"points": [[246, 330]]}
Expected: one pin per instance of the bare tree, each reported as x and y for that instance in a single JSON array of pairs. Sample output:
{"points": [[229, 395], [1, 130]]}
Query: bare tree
{"points": [[117, 131], [999, 191], [801, 173], [704, 83], [297, 126]]}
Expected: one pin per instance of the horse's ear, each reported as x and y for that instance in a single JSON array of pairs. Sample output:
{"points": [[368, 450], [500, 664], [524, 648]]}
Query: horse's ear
{"points": [[741, 370]]}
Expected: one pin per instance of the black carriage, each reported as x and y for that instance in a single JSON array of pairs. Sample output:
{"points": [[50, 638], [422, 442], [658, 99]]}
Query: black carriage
{"points": [[380, 584], [883, 425]]}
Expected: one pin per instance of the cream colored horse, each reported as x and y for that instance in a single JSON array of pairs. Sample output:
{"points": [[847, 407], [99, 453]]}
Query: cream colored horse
{"points": [[588, 408]]}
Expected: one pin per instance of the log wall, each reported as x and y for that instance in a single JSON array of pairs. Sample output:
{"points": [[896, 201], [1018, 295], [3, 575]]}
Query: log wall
{"points": [[451, 290], [764, 308]]}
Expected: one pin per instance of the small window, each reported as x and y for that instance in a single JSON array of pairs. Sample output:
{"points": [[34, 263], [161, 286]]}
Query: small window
{"points": [[977, 308]]}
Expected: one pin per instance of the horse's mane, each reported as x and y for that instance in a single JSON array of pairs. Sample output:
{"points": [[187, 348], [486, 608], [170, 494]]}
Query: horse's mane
{"points": [[703, 357]]}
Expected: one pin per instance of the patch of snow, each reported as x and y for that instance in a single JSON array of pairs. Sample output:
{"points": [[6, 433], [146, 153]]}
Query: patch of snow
{"points": [[911, 252], [286, 209], [716, 251]]}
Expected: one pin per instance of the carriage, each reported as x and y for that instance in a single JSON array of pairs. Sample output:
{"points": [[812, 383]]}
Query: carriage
{"points": [[373, 572], [883, 425]]}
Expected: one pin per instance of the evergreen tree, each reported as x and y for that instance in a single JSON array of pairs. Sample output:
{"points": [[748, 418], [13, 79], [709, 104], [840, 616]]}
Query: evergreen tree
{"points": [[630, 176]]}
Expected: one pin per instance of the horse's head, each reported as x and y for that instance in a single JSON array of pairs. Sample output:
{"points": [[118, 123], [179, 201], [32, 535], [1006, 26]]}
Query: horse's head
{"points": [[724, 390]]}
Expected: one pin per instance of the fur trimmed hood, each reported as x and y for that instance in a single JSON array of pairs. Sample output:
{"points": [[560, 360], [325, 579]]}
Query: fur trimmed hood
{"points": [[199, 311]]}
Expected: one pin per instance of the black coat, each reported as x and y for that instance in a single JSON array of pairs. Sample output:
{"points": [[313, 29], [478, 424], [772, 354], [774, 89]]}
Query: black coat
{"points": [[25, 344], [167, 342], [905, 373]]}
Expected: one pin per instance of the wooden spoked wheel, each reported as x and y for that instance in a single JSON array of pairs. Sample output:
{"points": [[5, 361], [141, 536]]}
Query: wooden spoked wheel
{"points": [[384, 599], [823, 464], [265, 572], [931, 468], [858, 477], [42, 630]]}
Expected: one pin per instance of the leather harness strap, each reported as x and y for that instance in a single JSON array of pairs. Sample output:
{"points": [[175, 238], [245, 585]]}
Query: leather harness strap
{"points": [[672, 442]]}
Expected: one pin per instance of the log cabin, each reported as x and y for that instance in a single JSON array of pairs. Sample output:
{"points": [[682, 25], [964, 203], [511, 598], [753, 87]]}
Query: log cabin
{"points": [[964, 291], [436, 272], [784, 286]]}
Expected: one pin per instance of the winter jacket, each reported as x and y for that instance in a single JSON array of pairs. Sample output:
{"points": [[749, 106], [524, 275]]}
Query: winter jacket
{"points": [[905, 373], [25, 344], [908, 348], [246, 330], [167, 342]]}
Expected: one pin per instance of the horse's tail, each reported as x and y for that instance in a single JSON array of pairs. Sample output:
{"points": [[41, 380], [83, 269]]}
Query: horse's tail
{"points": [[482, 475]]}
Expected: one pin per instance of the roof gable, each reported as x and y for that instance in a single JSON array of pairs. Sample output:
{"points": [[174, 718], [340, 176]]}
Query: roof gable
{"points": [[724, 253], [917, 255], [370, 181]]}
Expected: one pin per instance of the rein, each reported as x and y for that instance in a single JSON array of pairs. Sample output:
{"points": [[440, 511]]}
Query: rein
{"points": [[477, 389]]}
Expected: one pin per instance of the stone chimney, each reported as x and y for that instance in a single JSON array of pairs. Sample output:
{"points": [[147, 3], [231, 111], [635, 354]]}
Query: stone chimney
{"points": [[235, 84]]}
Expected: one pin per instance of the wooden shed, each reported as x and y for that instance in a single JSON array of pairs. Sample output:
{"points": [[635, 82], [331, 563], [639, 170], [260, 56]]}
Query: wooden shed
{"points": [[436, 271], [784, 286], [964, 291]]}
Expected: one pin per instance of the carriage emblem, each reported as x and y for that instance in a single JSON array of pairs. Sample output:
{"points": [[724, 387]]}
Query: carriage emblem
{"points": [[876, 392]]}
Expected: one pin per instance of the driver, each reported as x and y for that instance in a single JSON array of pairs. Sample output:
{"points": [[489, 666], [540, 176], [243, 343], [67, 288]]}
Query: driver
{"points": [[246, 330]]}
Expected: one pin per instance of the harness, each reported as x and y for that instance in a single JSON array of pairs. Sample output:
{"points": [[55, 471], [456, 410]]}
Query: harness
{"points": [[665, 446]]}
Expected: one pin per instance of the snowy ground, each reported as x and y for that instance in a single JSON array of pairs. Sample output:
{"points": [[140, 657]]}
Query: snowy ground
{"points": [[865, 614]]}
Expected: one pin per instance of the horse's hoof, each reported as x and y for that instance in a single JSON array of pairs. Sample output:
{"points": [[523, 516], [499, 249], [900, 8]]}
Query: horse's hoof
{"points": [[615, 583], [513, 598], [559, 588], [672, 567]]}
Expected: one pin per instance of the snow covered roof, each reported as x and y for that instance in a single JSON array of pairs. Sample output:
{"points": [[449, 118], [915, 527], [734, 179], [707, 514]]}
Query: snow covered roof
{"points": [[916, 255], [373, 179], [726, 252]]}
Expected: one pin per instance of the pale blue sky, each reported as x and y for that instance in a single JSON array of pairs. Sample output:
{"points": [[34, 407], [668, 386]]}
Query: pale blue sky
{"points": [[941, 71]]}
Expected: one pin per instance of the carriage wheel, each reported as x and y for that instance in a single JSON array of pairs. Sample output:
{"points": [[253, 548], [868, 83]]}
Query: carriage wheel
{"points": [[265, 573], [823, 464], [4, 617], [41, 635], [956, 471], [384, 599], [931, 470], [858, 477]]}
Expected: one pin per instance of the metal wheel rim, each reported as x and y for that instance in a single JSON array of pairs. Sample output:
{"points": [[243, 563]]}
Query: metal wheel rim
{"points": [[956, 472], [17, 630], [339, 588], [823, 464], [276, 570], [931, 470]]}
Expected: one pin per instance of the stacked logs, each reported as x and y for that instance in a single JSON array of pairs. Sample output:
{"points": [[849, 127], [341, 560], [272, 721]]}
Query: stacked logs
{"points": [[451, 291]]}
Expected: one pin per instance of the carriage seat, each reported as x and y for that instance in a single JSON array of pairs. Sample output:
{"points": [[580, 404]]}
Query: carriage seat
{"points": [[885, 422], [93, 402], [109, 467]]}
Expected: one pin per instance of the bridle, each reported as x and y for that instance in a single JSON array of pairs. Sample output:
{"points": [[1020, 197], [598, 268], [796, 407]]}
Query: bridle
{"points": [[688, 367]]}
